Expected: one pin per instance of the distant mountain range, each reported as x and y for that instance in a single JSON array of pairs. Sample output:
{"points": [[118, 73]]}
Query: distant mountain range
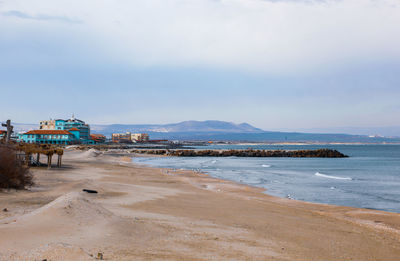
{"points": [[222, 131], [185, 126]]}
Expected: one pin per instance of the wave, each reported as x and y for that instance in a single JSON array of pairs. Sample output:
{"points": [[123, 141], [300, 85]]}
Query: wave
{"points": [[331, 177], [265, 165]]}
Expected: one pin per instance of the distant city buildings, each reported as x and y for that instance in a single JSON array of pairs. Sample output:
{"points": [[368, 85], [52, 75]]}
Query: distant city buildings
{"points": [[139, 137], [74, 131], [98, 138], [121, 137], [70, 124], [130, 137]]}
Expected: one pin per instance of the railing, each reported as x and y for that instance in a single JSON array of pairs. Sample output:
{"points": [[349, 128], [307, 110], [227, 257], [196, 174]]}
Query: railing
{"points": [[21, 158]]}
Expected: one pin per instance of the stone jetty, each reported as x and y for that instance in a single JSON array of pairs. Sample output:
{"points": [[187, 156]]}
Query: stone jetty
{"points": [[320, 153]]}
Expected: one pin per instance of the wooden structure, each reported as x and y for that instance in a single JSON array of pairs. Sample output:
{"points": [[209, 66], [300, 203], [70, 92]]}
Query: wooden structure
{"points": [[9, 130], [31, 149]]}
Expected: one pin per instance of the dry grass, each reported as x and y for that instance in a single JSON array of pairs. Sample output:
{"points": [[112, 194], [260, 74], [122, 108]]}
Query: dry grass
{"points": [[13, 174]]}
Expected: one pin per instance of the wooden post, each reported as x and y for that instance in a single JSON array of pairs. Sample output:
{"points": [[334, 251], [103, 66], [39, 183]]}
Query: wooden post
{"points": [[38, 158], [9, 130], [49, 161], [59, 160], [27, 156]]}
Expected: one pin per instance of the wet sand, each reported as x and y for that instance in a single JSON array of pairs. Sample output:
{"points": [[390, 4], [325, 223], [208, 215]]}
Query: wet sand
{"points": [[143, 213]]}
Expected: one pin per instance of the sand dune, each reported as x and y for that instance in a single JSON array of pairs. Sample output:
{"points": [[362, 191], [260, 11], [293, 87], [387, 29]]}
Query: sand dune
{"points": [[70, 219], [73, 207]]}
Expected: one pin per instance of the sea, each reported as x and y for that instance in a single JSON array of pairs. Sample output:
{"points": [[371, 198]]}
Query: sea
{"points": [[369, 178]]}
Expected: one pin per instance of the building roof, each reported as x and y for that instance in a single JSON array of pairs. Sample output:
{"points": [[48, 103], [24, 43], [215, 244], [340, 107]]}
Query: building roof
{"points": [[50, 132], [74, 129], [75, 120], [97, 135]]}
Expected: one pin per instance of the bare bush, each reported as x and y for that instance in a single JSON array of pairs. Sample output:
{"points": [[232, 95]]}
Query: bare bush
{"points": [[13, 174]]}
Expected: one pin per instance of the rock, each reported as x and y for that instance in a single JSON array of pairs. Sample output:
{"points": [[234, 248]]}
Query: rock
{"points": [[320, 153], [90, 191]]}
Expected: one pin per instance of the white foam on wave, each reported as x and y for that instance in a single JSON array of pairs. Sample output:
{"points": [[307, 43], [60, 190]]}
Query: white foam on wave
{"points": [[331, 177], [265, 165]]}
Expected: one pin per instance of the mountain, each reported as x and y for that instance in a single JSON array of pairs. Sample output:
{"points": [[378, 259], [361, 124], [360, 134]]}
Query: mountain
{"points": [[185, 126], [24, 127], [223, 131]]}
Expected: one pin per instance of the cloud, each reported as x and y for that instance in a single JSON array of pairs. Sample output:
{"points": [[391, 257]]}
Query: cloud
{"points": [[40, 17], [269, 37]]}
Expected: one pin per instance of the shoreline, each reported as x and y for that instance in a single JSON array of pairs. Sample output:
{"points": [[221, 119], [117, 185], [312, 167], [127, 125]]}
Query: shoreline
{"points": [[144, 213], [264, 190], [302, 143], [260, 189]]}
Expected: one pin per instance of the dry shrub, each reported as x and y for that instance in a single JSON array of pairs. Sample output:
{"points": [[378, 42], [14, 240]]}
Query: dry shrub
{"points": [[13, 174]]}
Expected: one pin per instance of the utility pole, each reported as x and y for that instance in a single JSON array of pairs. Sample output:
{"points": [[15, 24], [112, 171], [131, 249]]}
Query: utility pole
{"points": [[9, 130]]}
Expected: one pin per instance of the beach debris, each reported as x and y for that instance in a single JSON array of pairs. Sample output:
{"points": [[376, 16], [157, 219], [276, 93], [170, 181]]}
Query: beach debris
{"points": [[99, 256], [90, 191], [5, 210]]}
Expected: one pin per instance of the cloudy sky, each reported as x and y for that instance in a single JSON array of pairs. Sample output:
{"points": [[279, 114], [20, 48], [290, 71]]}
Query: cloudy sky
{"points": [[278, 64]]}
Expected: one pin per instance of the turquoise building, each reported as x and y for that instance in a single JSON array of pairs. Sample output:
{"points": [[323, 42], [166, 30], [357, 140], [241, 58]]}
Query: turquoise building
{"points": [[63, 132], [77, 127], [61, 137]]}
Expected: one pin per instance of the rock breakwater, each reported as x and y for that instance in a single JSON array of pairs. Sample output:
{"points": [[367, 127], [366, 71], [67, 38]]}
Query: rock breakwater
{"points": [[320, 153]]}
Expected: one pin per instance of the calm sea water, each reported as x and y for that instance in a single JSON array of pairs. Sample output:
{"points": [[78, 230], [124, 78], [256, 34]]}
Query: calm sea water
{"points": [[370, 178]]}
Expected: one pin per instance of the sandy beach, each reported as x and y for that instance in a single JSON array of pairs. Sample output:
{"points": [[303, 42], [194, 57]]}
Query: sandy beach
{"points": [[143, 213]]}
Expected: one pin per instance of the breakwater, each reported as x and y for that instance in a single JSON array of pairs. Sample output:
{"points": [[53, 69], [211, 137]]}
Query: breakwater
{"points": [[319, 153]]}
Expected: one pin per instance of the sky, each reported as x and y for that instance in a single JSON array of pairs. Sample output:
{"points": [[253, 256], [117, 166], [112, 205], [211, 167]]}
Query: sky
{"points": [[278, 64]]}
